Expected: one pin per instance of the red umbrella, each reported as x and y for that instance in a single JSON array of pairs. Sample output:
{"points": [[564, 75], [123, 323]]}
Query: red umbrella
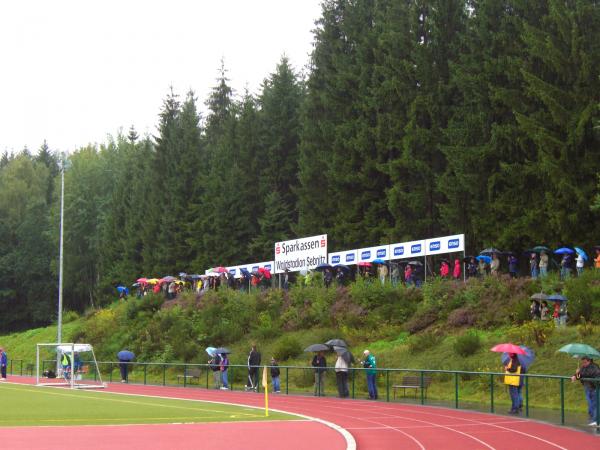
{"points": [[220, 270], [365, 264], [508, 348], [142, 280], [267, 274]]}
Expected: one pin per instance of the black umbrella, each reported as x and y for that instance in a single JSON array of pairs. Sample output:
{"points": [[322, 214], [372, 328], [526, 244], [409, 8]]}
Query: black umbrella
{"points": [[337, 343], [322, 267], [344, 353], [221, 350], [343, 267], [415, 263], [317, 348], [467, 259], [539, 296]]}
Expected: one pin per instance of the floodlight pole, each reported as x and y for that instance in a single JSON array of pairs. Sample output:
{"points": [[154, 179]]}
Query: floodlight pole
{"points": [[60, 264]]}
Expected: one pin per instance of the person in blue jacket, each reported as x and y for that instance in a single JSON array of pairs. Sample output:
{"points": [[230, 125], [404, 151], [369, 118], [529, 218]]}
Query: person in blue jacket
{"points": [[3, 363]]}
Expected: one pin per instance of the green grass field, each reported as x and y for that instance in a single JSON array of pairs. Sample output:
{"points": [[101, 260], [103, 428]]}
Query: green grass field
{"points": [[34, 406]]}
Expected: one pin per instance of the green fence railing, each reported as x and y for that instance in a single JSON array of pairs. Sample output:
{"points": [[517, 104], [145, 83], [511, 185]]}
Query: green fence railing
{"points": [[552, 398]]}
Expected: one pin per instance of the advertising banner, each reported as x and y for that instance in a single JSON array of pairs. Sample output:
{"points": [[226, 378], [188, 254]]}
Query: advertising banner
{"points": [[368, 254], [300, 254], [405, 250], [347, 258], [446, 244]]}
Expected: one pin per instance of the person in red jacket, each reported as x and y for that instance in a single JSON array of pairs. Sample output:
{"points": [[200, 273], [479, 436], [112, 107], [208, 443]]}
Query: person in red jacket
{"points": [[456, 272], [444, 269]]}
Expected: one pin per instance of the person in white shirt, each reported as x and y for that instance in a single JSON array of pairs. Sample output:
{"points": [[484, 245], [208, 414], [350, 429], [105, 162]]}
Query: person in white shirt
{"points": [[341, 376], [580, 263]]}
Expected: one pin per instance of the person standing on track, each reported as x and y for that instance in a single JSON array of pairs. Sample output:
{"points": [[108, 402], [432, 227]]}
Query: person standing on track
{"points": [[320, 365], [589, 369], [253, 365], [3, 364], [370, 364], [513, 380]]}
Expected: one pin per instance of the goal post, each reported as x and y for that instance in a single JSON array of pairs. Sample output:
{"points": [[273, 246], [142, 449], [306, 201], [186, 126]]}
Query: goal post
{"points": [[68, 365]]}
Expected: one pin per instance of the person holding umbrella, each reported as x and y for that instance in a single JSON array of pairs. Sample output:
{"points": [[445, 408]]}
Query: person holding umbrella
{"points": [[588, 369], [320, 364], [253, 365], [224, 367], [533, 266], [513, 380], [125, 357], [341, 374]]}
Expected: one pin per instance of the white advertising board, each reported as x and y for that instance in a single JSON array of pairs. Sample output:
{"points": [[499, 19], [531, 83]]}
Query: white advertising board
{"points": [[300, 254], [368, 254], [347, 258], [405, 250], [446, 244]]}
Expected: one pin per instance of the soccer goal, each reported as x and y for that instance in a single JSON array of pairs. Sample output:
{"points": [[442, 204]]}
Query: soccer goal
{"points": [[70, 365]]}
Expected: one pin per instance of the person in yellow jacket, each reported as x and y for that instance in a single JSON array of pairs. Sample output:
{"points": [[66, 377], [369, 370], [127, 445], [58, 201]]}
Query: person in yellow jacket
{"points": [[512, 379]]}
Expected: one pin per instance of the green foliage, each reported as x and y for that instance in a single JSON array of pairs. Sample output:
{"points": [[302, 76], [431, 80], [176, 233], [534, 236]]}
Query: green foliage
{"points": [[532, 332], [287, 348], [467, 344], [423, 342]]}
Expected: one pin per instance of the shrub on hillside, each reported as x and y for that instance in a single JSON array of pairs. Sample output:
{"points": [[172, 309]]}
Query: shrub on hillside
{"points": [[424, 317], [287, 348], [532, 332], [584, 296], [424, 341], [461, 317], [467, 344]]}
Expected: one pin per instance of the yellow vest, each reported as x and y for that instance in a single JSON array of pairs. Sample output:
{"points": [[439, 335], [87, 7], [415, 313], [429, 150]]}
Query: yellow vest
{"points": [[513, 378]]}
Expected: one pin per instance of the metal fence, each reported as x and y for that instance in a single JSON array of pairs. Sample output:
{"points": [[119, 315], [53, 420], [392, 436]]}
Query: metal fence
{"points": [[551, 398]]}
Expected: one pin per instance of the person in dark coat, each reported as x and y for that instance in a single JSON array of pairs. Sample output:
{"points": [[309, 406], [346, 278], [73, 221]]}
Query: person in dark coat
{"points": [[589, 369], [3, 364], [253, 366], [320, 364], [275, 376]]}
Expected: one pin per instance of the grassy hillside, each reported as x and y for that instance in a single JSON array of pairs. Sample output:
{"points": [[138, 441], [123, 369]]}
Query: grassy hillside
{"points": [[444, 325]]}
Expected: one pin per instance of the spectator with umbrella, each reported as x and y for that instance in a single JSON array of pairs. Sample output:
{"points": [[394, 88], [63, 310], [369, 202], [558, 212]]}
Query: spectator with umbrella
{"points": [[580, 261], [224, 367], [566, 261], [253, 365], [483, 265], [512, 369], [533, 265], [341, 372], [513, 265], [320, 365], [495, 265], [456, 271], [125, 357]]}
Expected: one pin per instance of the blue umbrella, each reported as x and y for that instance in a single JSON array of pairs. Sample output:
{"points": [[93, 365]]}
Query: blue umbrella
{"points": [[379, 261], [123, 289], [195, 276], [525, 360], [245, 272], [211, 351], [557, 298], [125, 355], [322, 267], [563, 250], [581, 252], [485, 258]]}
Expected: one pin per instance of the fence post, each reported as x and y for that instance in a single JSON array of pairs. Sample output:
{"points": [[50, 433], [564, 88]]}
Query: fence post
{"points": [[207, 377], [562, 401], [287, 373], [597, 406], [491, 392], [230, 378], [422, 388], [145, 372], [353, 375], [111, 371], [184, 375], [526, 396], [456, 390], [387, 385], [21, 367]]}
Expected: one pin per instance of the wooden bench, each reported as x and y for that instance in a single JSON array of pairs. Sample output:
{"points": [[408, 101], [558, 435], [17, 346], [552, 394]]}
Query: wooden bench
{"points": [[190, 375], [412, 382]]}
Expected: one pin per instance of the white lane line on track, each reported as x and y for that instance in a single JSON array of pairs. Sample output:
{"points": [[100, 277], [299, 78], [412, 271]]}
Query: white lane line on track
{"points": [[416, 409]]}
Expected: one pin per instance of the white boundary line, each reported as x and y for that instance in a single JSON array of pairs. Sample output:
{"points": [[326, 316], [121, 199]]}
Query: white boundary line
{"points": [[350, 442]]}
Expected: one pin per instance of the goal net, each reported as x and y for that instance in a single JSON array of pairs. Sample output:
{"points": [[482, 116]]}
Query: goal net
{"points": [[70, 365]]}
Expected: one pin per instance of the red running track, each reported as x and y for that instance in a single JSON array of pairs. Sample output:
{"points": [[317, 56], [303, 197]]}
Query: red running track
{"points": [[378, 425]]}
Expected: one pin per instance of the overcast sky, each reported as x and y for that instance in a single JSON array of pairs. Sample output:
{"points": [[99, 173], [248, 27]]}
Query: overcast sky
{"points": [[75, 71]]}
